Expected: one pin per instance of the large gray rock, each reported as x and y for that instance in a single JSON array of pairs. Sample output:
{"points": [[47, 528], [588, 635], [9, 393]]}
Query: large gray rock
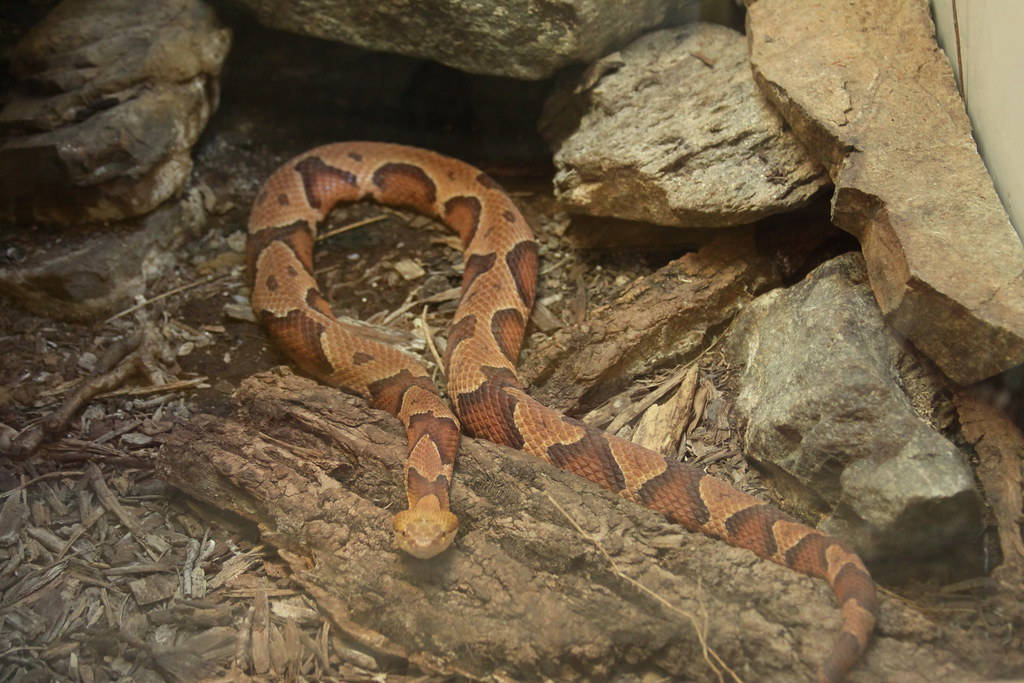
{"points": [[528, 39], [829, 395], [866, 88], [111, 96], [675, 132]]}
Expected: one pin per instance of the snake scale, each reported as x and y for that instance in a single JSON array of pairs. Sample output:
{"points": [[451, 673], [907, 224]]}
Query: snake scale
{"points": [[498, 289]]}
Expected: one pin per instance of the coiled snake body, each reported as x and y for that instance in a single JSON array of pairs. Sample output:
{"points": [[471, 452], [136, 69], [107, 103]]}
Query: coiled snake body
{"points": [[498, 289]]}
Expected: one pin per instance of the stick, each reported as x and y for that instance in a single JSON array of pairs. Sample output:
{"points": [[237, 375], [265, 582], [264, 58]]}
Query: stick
{"points": [[158, 297]]}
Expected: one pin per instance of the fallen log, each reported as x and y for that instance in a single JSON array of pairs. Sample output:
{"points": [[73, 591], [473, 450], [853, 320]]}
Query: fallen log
{"points": [[549, 576]]}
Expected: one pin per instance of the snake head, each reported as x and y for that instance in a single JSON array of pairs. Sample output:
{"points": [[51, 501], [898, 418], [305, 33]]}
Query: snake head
{"points": [[425, 529]]}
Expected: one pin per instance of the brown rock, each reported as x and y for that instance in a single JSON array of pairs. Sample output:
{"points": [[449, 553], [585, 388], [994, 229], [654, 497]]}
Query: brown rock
{"points": [[111, 96], [867, 90], [674, 131]]}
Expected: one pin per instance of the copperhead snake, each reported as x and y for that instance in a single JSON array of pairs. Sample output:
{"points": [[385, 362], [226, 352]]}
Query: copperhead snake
{"points": [[498, 289]]}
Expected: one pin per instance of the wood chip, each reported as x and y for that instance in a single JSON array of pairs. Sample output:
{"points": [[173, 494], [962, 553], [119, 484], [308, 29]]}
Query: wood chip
{"points": [[50, 540], [659, 428], [153, 588], [409, 269], [546, 321], [235, 567], [12, 515], [668, 385], [259, 644], [32, 582], [295, 609]]}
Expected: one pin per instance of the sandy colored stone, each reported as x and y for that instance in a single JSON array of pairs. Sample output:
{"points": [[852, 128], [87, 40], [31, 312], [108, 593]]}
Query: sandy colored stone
{"points": [[672, 130], [867, 90]]}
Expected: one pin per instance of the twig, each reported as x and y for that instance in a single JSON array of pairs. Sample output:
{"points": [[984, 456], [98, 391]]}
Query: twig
{"points": [[171, 292], [410, 303], [351, 226], [556, 265], [428, 336], [141, 358], [41, 477], [156, 389], [718, 665], [26, 443]]}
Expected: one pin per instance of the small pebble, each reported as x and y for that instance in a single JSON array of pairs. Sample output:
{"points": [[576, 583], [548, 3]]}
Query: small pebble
{"points": [[87, 361], [409, 269], [236, 241]]}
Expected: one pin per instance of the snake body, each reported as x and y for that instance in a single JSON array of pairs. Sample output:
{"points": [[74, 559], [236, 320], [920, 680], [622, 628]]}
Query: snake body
{"points": [[498, 289]]}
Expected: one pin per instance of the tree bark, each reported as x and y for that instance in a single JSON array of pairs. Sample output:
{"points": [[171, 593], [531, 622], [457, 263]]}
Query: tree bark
{"points": [[527, 590]]}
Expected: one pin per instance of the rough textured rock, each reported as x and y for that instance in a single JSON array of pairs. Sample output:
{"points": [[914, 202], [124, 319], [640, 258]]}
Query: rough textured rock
{"points": [[675, 132], [522, 593], [91, 274], [111, 96], [528, 39], [830, 401], [867, 90], [999, 445]]}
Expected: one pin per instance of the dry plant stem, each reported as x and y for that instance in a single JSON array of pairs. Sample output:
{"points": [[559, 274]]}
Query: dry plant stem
{"points": [[701, 629], [428, 337], [159, 389], [76, 450], [447, 295], [177, 290], [351, 226]]}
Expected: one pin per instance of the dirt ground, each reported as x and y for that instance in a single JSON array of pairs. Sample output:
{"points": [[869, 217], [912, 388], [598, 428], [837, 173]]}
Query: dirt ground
{"points": [[108, 573]]}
